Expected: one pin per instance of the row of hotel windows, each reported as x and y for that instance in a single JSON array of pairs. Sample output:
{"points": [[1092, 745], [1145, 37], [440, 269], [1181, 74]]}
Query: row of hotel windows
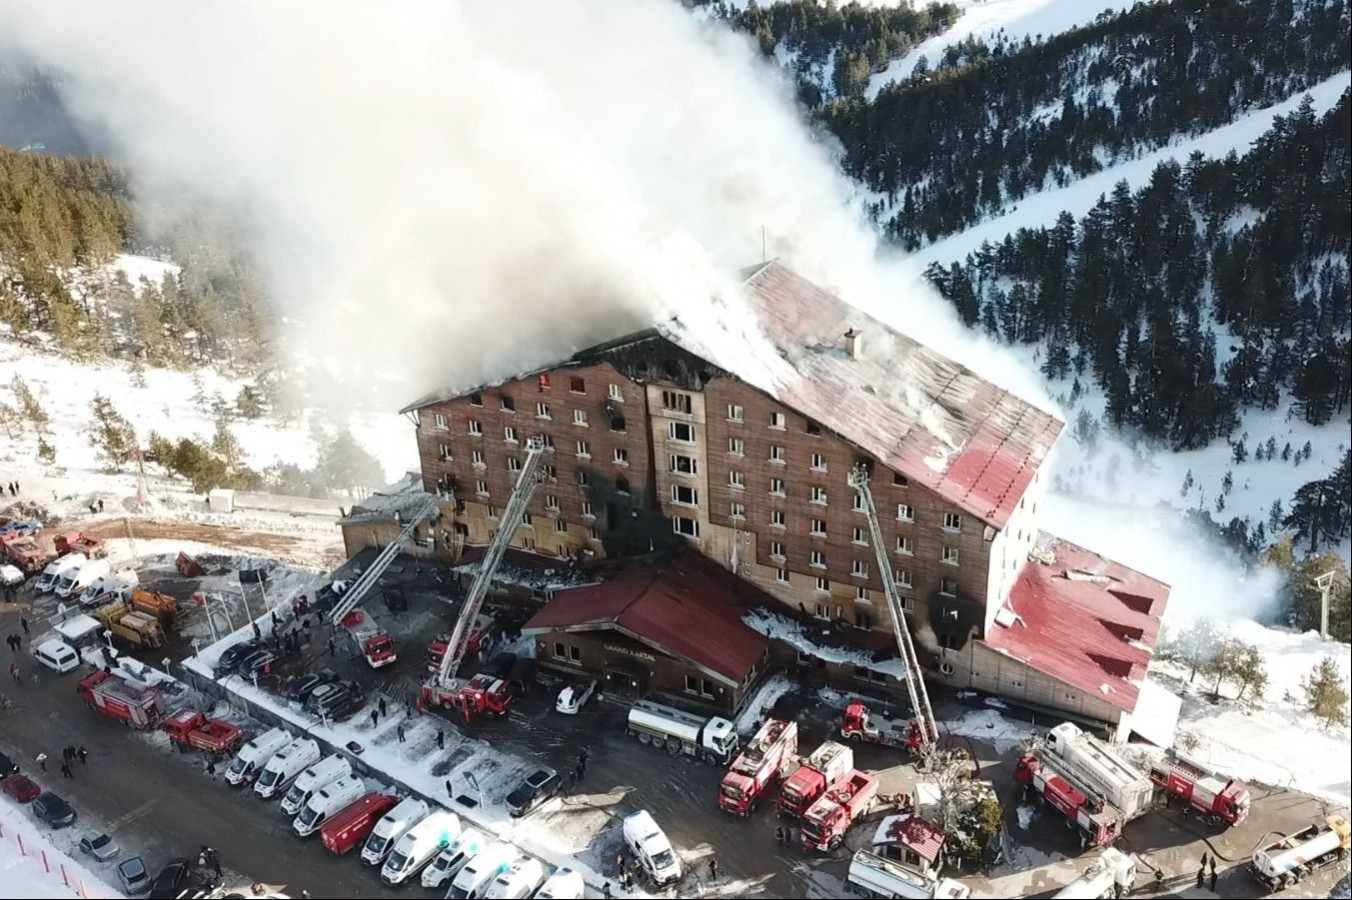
{"points": [[475, 428], [777, 420], [948, 587], [620, 456]]}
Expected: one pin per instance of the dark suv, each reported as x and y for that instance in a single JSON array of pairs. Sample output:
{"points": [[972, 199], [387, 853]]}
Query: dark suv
{"points": [[536, 788], [53, 810]]}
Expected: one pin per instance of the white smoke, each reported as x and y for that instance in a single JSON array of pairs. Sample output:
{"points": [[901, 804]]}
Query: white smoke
{"points": [[454, 192], [443, 193]]}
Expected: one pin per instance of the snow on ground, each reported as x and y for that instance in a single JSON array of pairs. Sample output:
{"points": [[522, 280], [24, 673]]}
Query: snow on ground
{"points": [[765, 698], [138, 267], [1279, 743], [983, 19], [1042, 208], [23, 874], [989, 726]]}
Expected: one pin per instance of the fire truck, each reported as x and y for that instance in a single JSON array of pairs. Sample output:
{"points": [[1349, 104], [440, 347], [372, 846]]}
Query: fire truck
{"points": [[480, 640], [1094, 788], [859, 723], [826, 765], [369, 639], [192, 730], [765, 760], [120, 700], [1216, 799], [483, 694], [827, 820]]}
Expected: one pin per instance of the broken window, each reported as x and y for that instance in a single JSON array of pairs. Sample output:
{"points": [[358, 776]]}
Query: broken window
{"points": [[777, 420], [675, 401], [684, 526], [948, 587], [617, 423], [862, 619], [444, 450], [544, 381], [476, 399], [684, 495], [577, 385], [899, 479], [508, 404], [813, 427], [621, 485]]}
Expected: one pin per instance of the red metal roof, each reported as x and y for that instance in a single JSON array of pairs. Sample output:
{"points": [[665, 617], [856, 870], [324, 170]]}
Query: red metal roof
{"points": [[1082, 619], [909, 407], [688, 607], [911, 832]]}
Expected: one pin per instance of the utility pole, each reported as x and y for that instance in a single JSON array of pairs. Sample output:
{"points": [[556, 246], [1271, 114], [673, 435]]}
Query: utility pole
{"points": [[1325, 584]]}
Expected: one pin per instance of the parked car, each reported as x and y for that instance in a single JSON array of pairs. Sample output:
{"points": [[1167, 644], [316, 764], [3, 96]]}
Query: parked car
{"points": [[575, 696], [335, 699], [53, 810], [133, 876], [235, 654], [303, 685], [500, 666], [259, 662], [99, 845], [7, 766], [535, 788], [169, 883], [22, 788]]}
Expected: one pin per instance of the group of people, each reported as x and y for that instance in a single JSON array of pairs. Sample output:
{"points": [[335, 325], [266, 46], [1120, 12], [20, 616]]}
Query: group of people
{"points": [[13, 489]]}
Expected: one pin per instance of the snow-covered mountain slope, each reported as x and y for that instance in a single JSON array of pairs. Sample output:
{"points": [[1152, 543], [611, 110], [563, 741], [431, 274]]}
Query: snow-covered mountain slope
{"points": [[1042, 208], [1015, 19]]}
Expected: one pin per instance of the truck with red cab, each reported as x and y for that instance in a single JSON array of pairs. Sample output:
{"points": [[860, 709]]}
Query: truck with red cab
{"points": [[482, 695], [481, 637], [26, 553], [79, 542], [825, 766], [118, 699], [859, 723], [762, 763], [369, 639], [190, 729], [1218, 800], [351, 826], [827, 820]]}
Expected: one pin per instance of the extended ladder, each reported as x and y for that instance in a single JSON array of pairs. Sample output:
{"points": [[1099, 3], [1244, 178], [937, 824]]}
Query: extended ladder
{"points": [[510, 520], [915, 682], [367, 580]]}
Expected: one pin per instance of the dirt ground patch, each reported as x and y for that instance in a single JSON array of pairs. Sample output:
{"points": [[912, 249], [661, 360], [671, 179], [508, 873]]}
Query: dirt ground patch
{"points": [[288, 547]]}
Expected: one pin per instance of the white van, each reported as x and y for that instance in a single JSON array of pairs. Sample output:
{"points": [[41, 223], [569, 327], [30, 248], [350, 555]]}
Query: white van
{"points": [[76, 581], [118, 584], [391, 828], [253, 756], [450, 861], [285, 766], [480, 871], [56, 570], [81, 631], [57, 655], [651, 848], [318, 776], [11, 576], [419, 845], [518, 881], [327, 803], [565, 884]]}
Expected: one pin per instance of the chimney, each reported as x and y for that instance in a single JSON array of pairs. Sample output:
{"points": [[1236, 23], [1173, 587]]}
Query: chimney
{"points": [[854, 343]]}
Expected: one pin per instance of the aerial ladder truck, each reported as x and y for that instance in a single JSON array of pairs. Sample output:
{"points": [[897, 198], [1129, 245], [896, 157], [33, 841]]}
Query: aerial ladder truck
{"points": [[483, 694], [359, 588], [928, 734]]}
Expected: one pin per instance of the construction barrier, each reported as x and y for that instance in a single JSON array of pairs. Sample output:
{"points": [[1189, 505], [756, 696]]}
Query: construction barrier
{"points": [[13, 840]]}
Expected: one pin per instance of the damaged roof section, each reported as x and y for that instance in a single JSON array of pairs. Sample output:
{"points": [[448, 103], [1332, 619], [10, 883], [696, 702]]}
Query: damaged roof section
{"points": [[393, 503], [909, 407], [1082, 619]]}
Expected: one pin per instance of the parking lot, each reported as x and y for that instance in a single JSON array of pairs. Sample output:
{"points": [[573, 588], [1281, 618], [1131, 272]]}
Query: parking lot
{"points": [[163, 804]]}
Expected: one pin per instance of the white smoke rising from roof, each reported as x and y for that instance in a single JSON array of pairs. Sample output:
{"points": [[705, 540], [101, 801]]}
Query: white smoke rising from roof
{"points": [[458, 191]]}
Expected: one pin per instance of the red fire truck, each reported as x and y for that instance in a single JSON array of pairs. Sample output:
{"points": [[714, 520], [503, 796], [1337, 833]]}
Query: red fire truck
{"points": [[480, 640], [192, 730], [827, 820], [369, 639], [859, 723], [481, 695], [827, 765], [1099, 821], [1216, 799], [117, 699], [763, 762]]}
